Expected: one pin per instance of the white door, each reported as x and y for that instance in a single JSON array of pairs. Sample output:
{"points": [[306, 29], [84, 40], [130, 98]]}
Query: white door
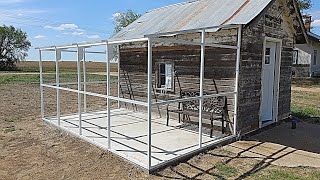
{"points": [[268, 82]]}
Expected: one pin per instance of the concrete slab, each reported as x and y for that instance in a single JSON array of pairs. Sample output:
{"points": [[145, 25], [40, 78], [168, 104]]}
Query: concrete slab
{"points": [[129, 134]]}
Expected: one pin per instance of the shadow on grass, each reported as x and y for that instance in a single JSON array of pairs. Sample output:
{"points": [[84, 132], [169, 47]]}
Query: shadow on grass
{"points": [[227, 170]]}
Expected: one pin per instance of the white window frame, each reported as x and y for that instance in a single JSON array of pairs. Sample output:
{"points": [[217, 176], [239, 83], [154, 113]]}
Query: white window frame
{"points": [[295, 56], [159, 74]]}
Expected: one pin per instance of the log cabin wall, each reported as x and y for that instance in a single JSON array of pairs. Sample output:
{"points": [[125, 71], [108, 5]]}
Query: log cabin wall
{"points": [[275, 22]]}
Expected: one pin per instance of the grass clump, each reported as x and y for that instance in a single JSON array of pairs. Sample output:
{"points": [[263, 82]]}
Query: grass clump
{"points": [[276, 173], [305, 112], [226, 170]]}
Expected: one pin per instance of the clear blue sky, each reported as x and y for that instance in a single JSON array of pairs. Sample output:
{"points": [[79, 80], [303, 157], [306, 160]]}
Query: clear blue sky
{"points": [[65, 21]]}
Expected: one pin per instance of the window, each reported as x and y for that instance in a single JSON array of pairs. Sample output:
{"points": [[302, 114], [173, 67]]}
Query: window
{"points": [[165, 76], [295, 56], [315, 56], [267, 56]]}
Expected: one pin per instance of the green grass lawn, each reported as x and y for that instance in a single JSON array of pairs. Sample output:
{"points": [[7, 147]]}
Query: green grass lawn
{"points": [[306, 102]]}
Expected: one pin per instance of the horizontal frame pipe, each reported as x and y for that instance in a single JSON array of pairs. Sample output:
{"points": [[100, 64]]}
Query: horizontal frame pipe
{"points": [[98, 95], [127, 41], [140, 102], [88, 45], [118, 42], [192, 98], [192, 30], [178, 41], [73, 51], [74, 83]]}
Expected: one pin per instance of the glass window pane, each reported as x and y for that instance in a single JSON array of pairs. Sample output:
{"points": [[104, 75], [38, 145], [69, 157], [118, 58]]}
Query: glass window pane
{"points": [[267, 60], [162, 69], [162, 80], [268, 50]]}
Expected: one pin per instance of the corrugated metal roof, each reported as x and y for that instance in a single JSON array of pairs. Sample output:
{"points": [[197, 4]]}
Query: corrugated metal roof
{"points": [[193, 15]]}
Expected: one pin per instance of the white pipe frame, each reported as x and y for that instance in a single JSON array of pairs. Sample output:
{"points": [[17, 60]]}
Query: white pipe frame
{"points": [[179, 41], [41, 82], [149, 153], [202, 62], [236, 96], [76, 83], [88, 45], [149, 39], [84, 81], [108, 95], [141, 103], [57, 56], [118, 52], [192, 30], [79, 57]]}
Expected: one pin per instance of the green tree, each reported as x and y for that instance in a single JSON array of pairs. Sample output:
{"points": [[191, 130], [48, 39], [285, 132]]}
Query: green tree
{"points": [[304, 4], [123, 19], [14, 46]]}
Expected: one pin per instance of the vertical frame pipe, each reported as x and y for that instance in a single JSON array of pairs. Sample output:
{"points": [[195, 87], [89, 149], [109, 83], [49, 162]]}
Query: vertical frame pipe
{"points": [[239, 42], [84, 81], [202, 62], [79, 88], [108, 94], [58, 56], [118, 52], [41, 84], [149, 102]]}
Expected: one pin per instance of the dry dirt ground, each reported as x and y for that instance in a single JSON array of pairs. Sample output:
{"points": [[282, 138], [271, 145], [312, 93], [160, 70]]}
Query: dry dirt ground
{"points": [[33, 66], [30, 149]]}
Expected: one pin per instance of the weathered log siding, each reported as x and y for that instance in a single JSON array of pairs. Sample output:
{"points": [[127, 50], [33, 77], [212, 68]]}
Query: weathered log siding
{"points": [[275, 22]]}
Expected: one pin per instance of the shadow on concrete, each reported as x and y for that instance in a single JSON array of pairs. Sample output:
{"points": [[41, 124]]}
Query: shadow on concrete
{"points": [[305, 137]]}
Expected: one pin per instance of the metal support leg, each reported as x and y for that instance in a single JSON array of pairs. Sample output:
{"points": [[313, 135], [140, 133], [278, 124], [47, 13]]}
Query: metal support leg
{"points": [[41, 82], [58, 57], [201, 85], [237, 80], [149, 101], [118, 51], [84, 82], [108, 94], [79, 88]]}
